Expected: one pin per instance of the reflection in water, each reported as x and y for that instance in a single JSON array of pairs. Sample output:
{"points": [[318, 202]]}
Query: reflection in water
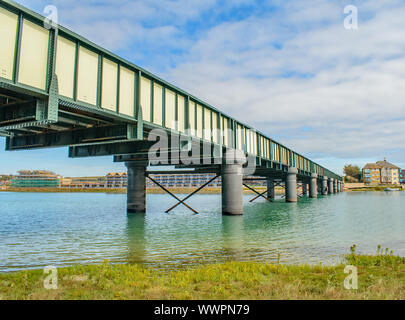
{"points": [[232, 234], [136, 238]]}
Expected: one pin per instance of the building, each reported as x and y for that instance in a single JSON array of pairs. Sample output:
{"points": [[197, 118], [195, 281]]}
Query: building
{"points": [[36, 179], [116, 180], [5, 180], [371, 174], [83, 183], [402, 176], [183, 180], [381, 172], [389, 172]]}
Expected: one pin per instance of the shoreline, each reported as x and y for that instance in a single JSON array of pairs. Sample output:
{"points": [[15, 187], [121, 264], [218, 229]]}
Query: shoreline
{"points": [[124, 191], [379, 277]]}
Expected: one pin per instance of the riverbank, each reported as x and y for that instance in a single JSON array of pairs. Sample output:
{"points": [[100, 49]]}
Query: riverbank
{"points": [[379, 277], [124, 190], [375, 189]]}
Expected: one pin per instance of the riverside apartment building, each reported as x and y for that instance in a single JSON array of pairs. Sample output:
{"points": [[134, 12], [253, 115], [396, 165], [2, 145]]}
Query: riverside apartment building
{"points": [[381, 172]]}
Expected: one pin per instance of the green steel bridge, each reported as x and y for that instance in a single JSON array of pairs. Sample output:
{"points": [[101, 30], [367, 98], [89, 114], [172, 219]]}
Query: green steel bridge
{"points": [[59, 89]]}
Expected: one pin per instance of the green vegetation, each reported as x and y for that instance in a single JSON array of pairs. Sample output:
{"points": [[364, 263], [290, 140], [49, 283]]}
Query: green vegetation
{"points": [[353, 173], [379, 277], [376, 188], [5, 177]]}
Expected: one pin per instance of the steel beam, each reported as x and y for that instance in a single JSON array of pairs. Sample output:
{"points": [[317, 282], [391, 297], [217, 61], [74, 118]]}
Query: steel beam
{"points": [[111, 148], [70, 137]]}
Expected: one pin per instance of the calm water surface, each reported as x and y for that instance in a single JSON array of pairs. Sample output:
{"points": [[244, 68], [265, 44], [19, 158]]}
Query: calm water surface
{"points": [[38, 230]]}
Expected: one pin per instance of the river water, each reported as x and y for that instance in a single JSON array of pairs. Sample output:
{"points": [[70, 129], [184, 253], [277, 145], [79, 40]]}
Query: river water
{"points": [[42, 229]]}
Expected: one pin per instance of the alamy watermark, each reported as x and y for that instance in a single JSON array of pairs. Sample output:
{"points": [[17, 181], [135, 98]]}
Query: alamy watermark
{"points": [[351, 281], [51, 279], [351, 21], [51, 17], [186, 149]]}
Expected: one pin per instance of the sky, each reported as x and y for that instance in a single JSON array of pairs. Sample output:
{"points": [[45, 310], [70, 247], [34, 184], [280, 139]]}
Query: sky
{"points": [[287, 67]]}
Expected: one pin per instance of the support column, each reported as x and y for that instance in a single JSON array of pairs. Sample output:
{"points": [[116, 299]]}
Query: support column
{"points": [[330, 186], [232, 192], [325, 186], [304, 188], [271, 193], [136, 187], [291, 185], [335, 186], [313, 186]]}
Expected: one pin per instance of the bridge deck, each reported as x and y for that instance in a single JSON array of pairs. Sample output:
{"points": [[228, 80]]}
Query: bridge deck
{"points": [[59, 89]]}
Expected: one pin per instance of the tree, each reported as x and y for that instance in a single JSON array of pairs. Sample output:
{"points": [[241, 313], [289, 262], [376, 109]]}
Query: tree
{"points": [[352, 172]]}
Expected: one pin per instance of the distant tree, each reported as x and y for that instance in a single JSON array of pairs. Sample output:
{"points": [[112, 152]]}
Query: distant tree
{"points": [[353, 173], [5, 177]]}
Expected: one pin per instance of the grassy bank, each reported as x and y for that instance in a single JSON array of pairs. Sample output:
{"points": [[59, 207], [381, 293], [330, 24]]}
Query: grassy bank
{"points": [[379, 277], [375, 188]]}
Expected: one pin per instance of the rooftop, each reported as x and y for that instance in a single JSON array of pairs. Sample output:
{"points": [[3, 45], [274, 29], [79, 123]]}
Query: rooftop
{"points": [[372, 166], [386, 164], [380, 165]]}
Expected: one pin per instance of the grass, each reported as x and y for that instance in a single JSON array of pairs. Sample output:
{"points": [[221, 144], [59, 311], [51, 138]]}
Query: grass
{"points": [[376, 188], [379, 277]]}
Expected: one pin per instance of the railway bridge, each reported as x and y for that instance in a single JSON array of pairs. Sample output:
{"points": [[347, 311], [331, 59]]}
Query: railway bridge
{"points": [[59, 89]]}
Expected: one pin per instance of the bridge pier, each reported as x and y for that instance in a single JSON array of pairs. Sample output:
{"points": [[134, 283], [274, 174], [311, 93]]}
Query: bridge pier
{"points": [[335, 186], [136, 186], [232, 189], [291, 185], [330, 186], [313, 186], [324, 186], [271, 194]]}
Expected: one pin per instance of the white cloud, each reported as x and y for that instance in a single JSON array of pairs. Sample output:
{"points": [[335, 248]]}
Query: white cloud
{"points": [[349, 86]]}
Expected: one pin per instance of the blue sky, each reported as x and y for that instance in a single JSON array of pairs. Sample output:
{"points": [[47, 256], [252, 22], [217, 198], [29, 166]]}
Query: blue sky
{"points": [[287, 67]]}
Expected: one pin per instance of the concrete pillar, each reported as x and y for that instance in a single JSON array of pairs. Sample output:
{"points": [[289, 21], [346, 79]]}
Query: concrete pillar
{"points": [[313, 186], [291, 185], [271, 193], [330, 186], [232, 192], [325, 186], [136, 189], [335, 186], [304, 188]]}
